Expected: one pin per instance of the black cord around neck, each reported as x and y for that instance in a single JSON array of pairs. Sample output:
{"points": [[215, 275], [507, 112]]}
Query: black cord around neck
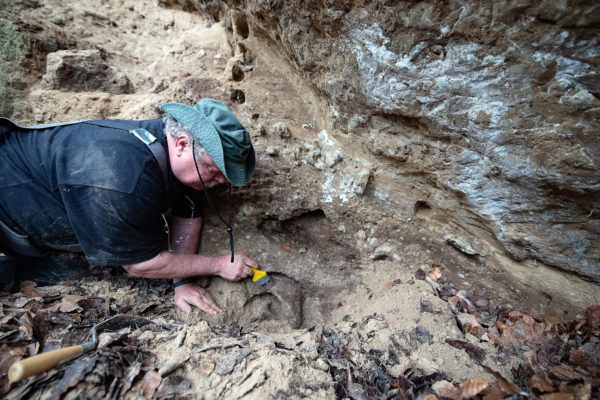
{"points": [[228, 228]]}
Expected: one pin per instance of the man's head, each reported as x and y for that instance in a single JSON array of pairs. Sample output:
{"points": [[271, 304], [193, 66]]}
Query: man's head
{"points": [[181, 144], [225, 141]]}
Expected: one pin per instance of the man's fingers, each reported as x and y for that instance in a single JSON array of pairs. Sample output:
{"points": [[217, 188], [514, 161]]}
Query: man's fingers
{"points": [[183, 306], [206, 303], [198, 297], [203, 305], [248, 261]]}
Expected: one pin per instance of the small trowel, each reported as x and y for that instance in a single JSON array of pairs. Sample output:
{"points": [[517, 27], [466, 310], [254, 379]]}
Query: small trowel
{"points": [[260, 277], [43, 362]]}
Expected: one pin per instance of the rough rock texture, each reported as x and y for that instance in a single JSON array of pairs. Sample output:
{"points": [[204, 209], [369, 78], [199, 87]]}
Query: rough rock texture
{"points": [[84, 70], [490, 109], [24, 44]]}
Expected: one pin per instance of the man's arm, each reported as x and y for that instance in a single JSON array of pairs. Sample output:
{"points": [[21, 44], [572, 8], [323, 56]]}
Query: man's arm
{"points": [[183, 262], [178, 266], [185, 237]]}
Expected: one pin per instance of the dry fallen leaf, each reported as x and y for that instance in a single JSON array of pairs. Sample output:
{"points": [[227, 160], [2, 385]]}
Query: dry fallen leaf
{"points": [[541, 383], [27, 284], [435, 274], [592, 314], [67, 304], [564, 372], [420, 274], [427, 306], [472, 387], [130, 374], [149, 383], [22, 302], [469, 323], [31, 292], [208, 367]]}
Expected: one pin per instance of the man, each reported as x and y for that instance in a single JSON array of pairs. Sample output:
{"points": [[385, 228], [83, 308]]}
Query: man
{"points": [[100, 191]]}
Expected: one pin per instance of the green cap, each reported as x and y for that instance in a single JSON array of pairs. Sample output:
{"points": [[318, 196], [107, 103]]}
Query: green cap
{"points": [[218, 130]]}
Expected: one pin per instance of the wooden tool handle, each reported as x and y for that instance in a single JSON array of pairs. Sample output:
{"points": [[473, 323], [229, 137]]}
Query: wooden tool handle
{"points": [[42, 362]]}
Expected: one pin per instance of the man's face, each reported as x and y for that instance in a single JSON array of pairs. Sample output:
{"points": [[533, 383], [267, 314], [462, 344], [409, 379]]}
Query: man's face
{"points": [[211, 174], [184, 168]]}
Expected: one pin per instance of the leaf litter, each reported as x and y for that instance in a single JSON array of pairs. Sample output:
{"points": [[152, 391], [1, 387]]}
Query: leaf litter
{"points": [[558, 358]]}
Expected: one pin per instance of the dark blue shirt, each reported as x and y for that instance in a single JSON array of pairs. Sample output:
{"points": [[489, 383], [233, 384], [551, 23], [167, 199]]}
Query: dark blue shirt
{"points": [[91, 183]]}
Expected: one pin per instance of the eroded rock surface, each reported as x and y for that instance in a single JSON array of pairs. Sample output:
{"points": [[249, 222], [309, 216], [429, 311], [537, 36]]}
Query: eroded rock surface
{"points": [[84, 70], [490, 109]]}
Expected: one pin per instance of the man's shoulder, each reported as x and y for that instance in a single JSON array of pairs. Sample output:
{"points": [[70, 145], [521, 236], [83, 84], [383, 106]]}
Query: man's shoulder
{"points": [[152, 125], [105, 155]]}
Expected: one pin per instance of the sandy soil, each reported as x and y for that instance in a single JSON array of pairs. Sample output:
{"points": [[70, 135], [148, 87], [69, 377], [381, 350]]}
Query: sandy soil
{"points": [[265, 345]]}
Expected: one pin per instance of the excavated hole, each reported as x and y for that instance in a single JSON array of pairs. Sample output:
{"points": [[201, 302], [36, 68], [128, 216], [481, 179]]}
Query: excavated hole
{"points": [[422, 209], [241, 26], [304, 255], [237, 73]]}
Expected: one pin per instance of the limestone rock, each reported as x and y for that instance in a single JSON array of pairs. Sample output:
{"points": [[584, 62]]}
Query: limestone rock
{"points": [[272, 151], [469, 246], [84, 70], [347, 182], [489, 107], [382, 252], [281, 129]]}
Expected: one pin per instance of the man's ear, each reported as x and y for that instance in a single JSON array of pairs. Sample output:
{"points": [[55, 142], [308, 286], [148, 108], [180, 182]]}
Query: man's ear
{"points": [[182, 144]]}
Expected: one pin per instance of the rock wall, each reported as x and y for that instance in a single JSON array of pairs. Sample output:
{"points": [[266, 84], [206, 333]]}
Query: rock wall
{"points": [[491, 109]]}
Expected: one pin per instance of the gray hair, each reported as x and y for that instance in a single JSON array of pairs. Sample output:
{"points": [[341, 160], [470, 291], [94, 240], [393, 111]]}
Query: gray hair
{"points": [[176, 129]]}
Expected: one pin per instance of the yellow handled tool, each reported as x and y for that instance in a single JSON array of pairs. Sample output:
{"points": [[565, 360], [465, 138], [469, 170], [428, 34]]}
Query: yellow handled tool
{"points": [[260, 277]]}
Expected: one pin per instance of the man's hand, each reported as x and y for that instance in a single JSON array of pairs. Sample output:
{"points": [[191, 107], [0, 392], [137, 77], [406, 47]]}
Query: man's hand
{"points": [[236, 270], [193, 294]]}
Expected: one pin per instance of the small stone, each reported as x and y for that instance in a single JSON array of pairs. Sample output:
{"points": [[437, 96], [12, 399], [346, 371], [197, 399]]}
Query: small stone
{"points": [[282, 130], [208, 367], [446, 389], [272, 151], [321, 364], [420, 274], [382, 252], [238, 96], [261, 131], [467, 246], [482, 304]]}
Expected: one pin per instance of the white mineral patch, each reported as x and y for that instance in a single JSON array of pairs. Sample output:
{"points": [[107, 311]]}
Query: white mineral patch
{"points": [[329, 152], [347, 182], [462, 82]]}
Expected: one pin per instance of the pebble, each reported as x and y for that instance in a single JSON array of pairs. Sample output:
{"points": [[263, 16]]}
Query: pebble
{"points": [[282, 130], [382, 251], [321, 364]]}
